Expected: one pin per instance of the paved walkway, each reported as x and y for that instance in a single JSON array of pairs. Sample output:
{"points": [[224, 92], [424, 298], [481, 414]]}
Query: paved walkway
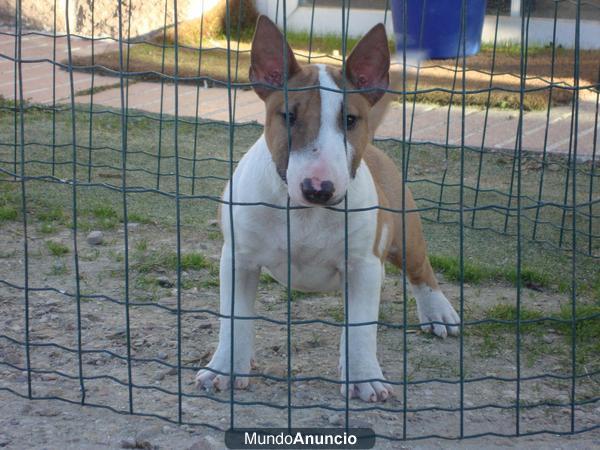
{"points": [[430, 122]]}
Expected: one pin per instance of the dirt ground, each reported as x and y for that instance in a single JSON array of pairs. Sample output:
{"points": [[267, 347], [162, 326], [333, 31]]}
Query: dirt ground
{"points": [[488, 358]]}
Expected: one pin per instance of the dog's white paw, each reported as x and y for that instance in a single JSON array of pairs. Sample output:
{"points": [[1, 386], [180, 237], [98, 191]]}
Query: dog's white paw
{"points": [[369, 391], [435, 312], [211, 379]]}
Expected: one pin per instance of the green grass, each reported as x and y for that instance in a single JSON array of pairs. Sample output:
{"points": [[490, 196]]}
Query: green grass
{"points": [[59, 270], [104, 212], [167, 260], [8, 213], [265, 278], [478, 273], [9, 203], [508, 313], [498, 336], [294, 295], [139, 218], [210, 283], [57, 249], [587, 331], [336, 313]]}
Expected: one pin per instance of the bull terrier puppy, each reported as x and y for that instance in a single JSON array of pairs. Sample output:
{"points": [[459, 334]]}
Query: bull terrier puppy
{"points": [[318, 152]]}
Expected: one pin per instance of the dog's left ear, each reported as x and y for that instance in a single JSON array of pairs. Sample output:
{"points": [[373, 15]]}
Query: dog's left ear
{"points": [[368, 65]]}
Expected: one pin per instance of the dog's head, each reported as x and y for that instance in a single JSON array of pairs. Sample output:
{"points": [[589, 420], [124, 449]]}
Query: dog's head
{"points": [[321, 150]]}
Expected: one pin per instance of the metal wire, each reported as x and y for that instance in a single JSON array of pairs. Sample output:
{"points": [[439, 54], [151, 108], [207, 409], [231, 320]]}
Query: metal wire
{"points": [[506, 210]]}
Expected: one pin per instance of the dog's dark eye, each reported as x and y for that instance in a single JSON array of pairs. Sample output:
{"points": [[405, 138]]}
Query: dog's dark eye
{"points": [[350, 121], [290, 118]]}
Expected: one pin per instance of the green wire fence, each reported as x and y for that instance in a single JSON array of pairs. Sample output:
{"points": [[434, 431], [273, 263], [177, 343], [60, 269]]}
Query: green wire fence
{"points": [[86, 147]]}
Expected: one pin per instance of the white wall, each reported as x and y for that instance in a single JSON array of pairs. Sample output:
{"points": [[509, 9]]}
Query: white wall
{"points": [[329, 20]]}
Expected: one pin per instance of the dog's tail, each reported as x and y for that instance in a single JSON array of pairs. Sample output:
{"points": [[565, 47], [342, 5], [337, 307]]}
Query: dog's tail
{"points": [[413, 62]]}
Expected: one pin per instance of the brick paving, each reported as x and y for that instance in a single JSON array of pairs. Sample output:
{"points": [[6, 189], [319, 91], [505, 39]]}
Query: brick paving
{"points": [[430, 123]]}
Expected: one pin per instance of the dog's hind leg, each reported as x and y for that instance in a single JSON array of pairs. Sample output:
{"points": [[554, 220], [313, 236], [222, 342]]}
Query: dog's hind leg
{"points": [[245, 283]]}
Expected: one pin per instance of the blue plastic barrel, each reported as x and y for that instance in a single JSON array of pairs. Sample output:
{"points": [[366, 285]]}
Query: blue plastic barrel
{"points": [[434, 26]]}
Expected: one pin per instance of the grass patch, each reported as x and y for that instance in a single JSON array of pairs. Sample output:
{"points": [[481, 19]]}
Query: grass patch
{"points": [[508, 313], [295, 295], [265, 278], [167, 260], [336, 313], [478, 273], [139, 218], [59, 270], [497, 335], [587, 331], [104, 212], [56, 248], [210, 283], [50, 215], [8, 213], [9, 203]]}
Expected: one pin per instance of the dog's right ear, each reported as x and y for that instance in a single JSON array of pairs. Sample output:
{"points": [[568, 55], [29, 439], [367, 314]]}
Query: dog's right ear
{"points": [[267, 58]]}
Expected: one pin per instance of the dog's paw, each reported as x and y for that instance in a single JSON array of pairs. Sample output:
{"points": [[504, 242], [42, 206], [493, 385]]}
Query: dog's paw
{"points": [[215, 375], [375, 390], [208, 380], [436, 314]]}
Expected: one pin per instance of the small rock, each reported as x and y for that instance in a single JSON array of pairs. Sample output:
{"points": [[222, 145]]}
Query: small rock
{"points": [[143, 438], [164, 281], [205, 443], [4, 440], [548, 339], [205, 325], [162, 355], [359, 423], [95, 238], [128, 443], [276, 371], [20, 378], [133, 226], [47, 412], [48, 377], [302, 395], [172, 371], [213, 223], [159, 376], [336, 420]]}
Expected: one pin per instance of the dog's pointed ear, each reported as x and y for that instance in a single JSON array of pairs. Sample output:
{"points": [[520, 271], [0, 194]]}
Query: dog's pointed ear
{"points": [[368, 65], [266, 58]]}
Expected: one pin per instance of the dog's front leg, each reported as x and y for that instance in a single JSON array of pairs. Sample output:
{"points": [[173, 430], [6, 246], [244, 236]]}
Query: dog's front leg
{"points": [[364, 290], [245, 282]]}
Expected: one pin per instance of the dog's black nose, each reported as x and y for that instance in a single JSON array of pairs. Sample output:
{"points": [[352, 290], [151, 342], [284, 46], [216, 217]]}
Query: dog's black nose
{"points": [[313, 195]]}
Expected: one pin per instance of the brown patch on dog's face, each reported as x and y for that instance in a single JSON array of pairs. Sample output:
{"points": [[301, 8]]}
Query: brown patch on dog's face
{"points": [[304, 109]]}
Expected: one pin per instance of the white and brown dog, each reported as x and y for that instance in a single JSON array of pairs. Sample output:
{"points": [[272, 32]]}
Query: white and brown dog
{"points": [[318, 167]]}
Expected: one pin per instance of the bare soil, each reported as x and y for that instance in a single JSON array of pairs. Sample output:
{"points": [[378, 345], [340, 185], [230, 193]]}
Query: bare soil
{"points": [[153, 329]]}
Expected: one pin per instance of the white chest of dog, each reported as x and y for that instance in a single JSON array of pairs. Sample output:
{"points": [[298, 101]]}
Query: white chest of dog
{"points": [[316, 151]]}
